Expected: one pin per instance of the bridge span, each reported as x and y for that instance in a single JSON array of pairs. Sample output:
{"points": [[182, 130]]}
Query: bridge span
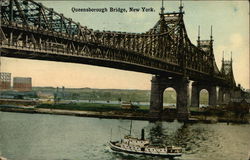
{"points": [[31, 30]]}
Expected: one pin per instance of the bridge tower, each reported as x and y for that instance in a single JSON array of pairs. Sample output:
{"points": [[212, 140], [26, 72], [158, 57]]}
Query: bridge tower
{"points": [[180, 83], [229, 90], [197, 86]]}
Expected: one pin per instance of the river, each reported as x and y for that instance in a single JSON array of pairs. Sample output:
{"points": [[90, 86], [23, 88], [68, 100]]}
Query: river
{"points": [[56, 137]]}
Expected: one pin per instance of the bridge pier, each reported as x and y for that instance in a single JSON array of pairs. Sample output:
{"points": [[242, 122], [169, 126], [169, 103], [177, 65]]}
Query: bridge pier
{"points": [[197, 87], [195, 95], [158, 85], [224, 95], [238, 93], [182, 98], [220, 96], [156, 97], [212, 99]]}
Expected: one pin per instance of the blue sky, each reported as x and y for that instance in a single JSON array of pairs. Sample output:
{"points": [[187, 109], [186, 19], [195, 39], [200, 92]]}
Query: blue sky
{"points": [[230, 20]]}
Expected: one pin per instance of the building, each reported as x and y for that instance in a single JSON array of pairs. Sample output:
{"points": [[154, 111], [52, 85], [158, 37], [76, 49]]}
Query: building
{"points": [[239, 105], [22, 83], [5, 81], [128, 105]]}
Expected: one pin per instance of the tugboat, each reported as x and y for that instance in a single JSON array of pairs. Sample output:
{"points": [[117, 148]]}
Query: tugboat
{"points": [[142, 146]]}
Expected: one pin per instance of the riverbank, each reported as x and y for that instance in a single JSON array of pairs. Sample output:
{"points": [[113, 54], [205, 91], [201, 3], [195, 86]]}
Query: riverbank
{"points": [[96, 114], [124, 114]]}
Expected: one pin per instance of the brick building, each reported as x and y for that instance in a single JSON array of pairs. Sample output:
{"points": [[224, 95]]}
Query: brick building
{"points": [[22, 83], [5, 81]]}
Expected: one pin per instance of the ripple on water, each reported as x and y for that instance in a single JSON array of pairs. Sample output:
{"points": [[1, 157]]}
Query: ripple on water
{"points": [[51, 137]]}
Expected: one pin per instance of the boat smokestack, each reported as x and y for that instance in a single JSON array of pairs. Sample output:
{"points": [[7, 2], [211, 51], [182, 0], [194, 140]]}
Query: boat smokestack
{"points": [[142, 134]]}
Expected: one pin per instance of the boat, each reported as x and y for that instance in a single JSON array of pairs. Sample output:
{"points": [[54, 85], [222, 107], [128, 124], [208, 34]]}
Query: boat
{"points": [[143, 146], [2, 158]]}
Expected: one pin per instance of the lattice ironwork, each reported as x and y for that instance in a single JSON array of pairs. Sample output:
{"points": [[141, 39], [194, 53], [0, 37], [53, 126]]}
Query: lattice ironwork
{"points": [[227, 71], [31, 30]]}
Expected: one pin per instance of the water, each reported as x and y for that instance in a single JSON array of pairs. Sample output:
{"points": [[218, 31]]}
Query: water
{"points": [[55, 137]]}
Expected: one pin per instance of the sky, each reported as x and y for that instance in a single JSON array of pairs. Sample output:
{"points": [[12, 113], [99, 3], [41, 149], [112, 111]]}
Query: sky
{"points": [[230, 20]]}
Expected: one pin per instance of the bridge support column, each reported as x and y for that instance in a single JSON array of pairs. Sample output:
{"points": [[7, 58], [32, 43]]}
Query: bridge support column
{"points": [[220, 97], [224, 95], [158, 85], [212, 100], [182, 98], [156, 98], [237, 93], [197, 87], [195, 95]]}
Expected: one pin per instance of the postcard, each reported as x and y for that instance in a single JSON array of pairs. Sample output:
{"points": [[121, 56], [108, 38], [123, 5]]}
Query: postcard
{"points": [[112, 79]]}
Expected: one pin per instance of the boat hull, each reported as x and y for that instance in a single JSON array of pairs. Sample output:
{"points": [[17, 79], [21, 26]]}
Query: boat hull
{"points": [[119, 149]]}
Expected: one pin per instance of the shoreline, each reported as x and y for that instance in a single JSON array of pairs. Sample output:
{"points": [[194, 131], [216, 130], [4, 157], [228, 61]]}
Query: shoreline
{"points": [[123, 115], [93, 114]]}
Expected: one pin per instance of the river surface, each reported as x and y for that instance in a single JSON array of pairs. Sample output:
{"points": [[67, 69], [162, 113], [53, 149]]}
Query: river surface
{"points": [[56, 137]]}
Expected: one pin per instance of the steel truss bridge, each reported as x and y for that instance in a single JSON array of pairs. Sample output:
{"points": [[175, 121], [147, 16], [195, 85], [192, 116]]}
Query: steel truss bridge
{"points": [[31, 30]]}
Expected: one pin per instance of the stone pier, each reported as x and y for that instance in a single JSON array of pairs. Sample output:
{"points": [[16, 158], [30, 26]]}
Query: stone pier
{"points": [[224, 95], [197, 87], [159, 84]]}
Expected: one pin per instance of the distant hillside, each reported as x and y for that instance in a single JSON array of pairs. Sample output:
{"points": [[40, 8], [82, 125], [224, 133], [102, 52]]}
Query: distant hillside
{"points": [[113, 94]]}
